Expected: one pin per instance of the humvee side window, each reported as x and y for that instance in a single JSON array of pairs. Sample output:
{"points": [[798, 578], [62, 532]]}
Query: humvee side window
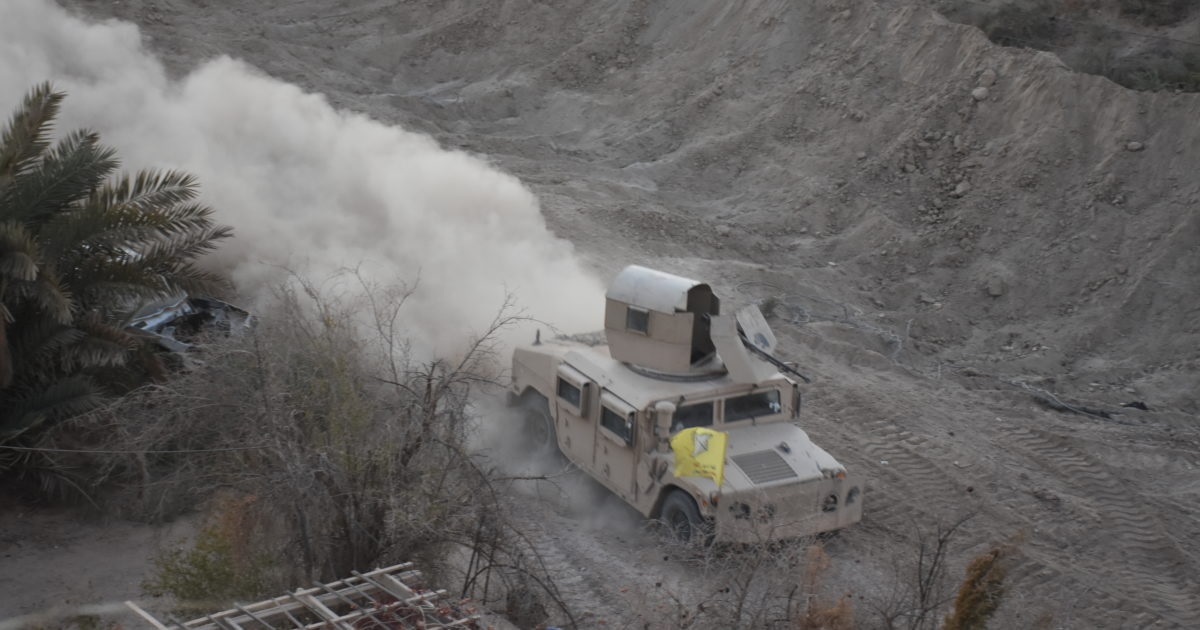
{"points": [[621, 426], [637, 320], [688, 416], [569, 393], [754, 405]]}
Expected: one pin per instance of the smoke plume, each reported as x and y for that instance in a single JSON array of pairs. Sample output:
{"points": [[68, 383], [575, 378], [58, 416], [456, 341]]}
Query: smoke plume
{"points": [[306, 186]]}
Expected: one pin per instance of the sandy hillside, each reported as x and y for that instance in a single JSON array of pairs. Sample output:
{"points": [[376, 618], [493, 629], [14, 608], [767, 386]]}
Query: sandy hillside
{"points": [[940, 227]]}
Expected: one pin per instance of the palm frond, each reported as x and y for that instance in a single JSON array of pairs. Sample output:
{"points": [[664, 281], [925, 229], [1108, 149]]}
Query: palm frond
{"points": [[28, 132], [37, 407], [6, 359], [166, 254], [18, 253], [102, 231], [38, 345], [91, 231], [124, 212], [188, 278], [111, 288], [47, 293], [67, 173], [161, 268], [149, 190], [18, 265], [102, 345]]}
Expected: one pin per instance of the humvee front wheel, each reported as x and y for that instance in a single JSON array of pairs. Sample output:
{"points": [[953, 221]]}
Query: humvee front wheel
{"points": [[538, 427], [682, 518]]}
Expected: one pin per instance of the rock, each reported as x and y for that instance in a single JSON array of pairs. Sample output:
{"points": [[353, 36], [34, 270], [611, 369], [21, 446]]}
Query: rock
{"points": [[909, 269], [980, 93], [987, 78], [862, 155], [724, 230], [1042, 494], [995, 287], [961, 189], [926, 298], [1134, 146], [1122, 269], [910, 167]]}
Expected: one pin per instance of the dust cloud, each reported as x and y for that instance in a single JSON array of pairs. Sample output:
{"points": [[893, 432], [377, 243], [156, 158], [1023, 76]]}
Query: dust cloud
{"points": [[307, 187]]}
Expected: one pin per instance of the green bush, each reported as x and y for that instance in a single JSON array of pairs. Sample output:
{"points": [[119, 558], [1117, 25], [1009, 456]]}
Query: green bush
{"points": [[221, 566]]}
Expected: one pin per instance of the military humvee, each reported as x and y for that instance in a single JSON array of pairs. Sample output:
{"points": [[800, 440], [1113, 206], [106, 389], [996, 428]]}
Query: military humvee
{"points": [[669, 360]]}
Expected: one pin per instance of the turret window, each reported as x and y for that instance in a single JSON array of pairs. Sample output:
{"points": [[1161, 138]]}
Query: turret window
{"points": [[637, 320]]}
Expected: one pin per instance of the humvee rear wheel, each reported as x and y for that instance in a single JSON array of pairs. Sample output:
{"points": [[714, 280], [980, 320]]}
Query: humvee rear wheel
{"points": [[538, 426], [682, 518]]}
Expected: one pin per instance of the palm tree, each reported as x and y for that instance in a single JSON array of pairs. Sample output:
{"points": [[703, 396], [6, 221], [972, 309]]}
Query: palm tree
{"points": [[80, 247]]}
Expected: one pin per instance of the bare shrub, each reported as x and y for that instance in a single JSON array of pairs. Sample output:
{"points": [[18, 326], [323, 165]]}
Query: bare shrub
{"points": [[920, 589], [343, 450], [771, 585], [818, 613]]}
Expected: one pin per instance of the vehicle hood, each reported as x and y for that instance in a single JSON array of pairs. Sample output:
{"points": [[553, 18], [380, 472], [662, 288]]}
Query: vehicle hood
{"points": [[774, 454]]}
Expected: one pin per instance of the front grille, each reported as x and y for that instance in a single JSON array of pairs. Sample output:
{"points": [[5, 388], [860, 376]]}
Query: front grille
{"points": [[764, 466]]}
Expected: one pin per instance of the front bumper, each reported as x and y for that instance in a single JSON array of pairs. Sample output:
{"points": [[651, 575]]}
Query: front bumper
{"points": [[788, 510]]}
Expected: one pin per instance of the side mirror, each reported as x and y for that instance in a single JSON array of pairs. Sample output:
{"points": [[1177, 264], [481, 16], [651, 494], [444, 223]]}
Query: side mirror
{"points": [[664, 413]]}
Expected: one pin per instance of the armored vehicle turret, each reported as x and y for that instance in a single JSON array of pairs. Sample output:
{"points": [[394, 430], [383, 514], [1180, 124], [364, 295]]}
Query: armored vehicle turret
{"points": [[670, 368]]}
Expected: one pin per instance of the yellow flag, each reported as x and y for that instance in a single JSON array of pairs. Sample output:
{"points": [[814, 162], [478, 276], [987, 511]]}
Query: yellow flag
{"points": [[700, 452]]}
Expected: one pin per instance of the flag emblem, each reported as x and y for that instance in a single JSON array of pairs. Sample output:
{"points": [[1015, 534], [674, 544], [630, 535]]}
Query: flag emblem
{"points": [[700, 452]]}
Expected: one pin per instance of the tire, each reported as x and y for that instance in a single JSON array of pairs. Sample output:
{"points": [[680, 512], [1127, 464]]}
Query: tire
{"points": [[682, 518], [537, 428]]}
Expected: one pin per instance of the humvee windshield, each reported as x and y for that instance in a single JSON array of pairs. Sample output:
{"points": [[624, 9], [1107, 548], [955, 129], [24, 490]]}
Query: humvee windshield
{"points": [[754, 405], [688, 416]]}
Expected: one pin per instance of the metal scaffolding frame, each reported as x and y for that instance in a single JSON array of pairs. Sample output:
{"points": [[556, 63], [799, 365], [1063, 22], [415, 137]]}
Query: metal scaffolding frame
{"points": [[384, 598]]}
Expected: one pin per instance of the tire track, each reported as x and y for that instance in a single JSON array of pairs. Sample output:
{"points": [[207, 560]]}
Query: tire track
{"points": [[905, 476], [1142, 565], [595, 574]]}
